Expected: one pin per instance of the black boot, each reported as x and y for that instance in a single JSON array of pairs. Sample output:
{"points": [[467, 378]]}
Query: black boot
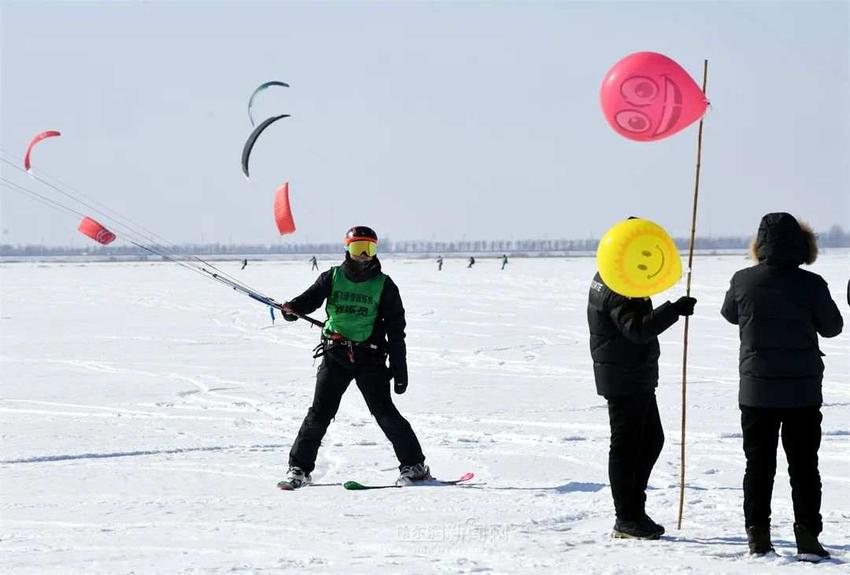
{"points": [[808, 546], [647, 522], [624, 529], [758, 538]]}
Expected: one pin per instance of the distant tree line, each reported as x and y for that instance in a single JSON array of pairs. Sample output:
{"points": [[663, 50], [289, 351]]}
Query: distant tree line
{"points": [[836, 237]]}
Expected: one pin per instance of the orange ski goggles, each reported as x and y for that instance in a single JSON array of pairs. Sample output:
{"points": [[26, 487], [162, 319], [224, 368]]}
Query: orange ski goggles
{"points": [[360, 246]]}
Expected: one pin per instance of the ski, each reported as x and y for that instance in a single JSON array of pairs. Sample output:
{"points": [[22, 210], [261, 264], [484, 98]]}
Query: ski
{"points": [[285, 485], [355, 486]]}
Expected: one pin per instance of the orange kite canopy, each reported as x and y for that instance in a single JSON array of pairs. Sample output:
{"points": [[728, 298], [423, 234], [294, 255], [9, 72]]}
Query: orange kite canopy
{"points": [[96, 231], [282, 211], [34, 141]]}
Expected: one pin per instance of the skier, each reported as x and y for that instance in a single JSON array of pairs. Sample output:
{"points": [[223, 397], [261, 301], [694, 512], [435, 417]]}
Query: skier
{"points": [[439, 263], [244, 263], [365, 325], [625, 351], [315, 263], [780, 310], [504, 260], [471, 262]]}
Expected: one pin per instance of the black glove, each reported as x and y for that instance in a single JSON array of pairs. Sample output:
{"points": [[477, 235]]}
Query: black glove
{"points": [[685, 305], [288, 316], [399, 375], [400, 385]]}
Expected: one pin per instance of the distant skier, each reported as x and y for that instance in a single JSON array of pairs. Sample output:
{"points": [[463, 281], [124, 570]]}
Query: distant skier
{"points": [[315, 263], [440, 263], [365, 325], [504, 260], [780, 310], [244, 263], [624, 346], [471, 262]]}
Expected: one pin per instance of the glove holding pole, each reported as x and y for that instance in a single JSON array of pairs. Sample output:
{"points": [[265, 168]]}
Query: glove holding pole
{"points": [[684, 306], [290, 314]]}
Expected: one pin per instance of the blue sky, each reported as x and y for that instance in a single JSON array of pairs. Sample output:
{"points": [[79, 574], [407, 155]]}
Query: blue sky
{"points": [[425, 120]]}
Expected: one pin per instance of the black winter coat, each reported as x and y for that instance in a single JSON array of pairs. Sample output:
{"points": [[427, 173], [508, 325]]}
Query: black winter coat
{"points": [[624, 340], [780, 310], [388, 331]]}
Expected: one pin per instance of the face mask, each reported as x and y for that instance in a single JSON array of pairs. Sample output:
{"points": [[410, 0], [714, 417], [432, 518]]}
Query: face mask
{"points": [[360, 266]]}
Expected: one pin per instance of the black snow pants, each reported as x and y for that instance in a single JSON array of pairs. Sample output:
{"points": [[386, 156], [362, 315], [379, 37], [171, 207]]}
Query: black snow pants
{"points": [[373, 381], [636, 441], [801, 436]]}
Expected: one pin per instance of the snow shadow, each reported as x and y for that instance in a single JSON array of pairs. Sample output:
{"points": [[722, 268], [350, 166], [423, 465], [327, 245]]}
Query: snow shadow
{"points": [[779, 544], [571, 487]]}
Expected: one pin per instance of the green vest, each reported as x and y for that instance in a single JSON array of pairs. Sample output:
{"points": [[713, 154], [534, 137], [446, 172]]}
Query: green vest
{"points": [[353, 306]]}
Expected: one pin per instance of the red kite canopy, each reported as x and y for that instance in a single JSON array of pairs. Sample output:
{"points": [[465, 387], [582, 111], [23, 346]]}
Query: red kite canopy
{"points": [[34, 141], [282, 211], [96, 231]]}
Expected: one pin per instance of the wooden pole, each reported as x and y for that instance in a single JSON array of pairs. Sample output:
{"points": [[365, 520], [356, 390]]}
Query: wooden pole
{"points": [[688, 293]]}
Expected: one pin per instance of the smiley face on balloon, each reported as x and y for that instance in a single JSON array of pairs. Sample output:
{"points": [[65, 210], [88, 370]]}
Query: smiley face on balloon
{"points": [[637, 258], [647, 96]]}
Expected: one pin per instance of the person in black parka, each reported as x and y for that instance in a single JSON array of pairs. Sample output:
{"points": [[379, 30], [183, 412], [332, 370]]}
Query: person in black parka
{"points": [[780, 310], [625, 351]]}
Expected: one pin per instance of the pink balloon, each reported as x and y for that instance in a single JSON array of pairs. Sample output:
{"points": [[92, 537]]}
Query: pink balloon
{"points": [[646, 96]]}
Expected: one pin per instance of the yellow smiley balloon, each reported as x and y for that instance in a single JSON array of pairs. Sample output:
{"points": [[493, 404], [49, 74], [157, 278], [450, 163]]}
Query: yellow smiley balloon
{"points": [[637, 258]]}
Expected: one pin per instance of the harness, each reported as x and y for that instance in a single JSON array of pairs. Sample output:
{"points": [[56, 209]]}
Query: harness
{"points": [[339, 341]]}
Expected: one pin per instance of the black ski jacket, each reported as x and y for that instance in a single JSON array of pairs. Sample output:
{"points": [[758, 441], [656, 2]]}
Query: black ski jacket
{"points": [[624, 340], [388, 331], [780, 309]]}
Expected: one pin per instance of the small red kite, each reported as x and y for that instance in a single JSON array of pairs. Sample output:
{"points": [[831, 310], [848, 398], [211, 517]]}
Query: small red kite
{"points": [[282, 211], [34, 141], [96, 231]]}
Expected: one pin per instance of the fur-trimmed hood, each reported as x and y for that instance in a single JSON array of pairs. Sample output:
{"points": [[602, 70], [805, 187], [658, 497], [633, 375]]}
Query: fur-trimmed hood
{"points": [[782, 240]]}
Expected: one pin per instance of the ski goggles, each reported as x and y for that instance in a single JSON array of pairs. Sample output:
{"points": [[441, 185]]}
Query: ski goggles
{"points": [[356, 247]]}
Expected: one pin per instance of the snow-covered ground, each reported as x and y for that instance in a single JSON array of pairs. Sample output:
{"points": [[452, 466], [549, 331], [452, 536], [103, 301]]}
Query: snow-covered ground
{"points": [[147, 414]]}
